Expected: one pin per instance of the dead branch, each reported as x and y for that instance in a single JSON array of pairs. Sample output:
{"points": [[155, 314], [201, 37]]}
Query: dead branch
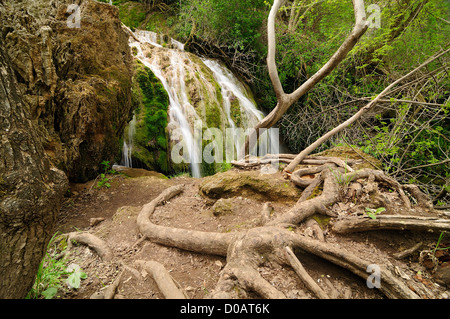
{"points": [[397, 222], [408, 252], [290, 168]]}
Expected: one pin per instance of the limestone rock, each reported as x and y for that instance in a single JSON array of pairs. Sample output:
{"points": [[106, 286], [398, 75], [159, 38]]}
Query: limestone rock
{"points": [[251, 184], [76, 81]]}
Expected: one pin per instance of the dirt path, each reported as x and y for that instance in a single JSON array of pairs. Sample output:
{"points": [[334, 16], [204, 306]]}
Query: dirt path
{"points": [[197, 274]]}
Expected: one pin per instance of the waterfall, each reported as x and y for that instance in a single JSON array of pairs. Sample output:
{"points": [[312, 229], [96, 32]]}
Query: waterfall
{"points": [[182, 76], [179, 107], [232, 88], [128, 144]]}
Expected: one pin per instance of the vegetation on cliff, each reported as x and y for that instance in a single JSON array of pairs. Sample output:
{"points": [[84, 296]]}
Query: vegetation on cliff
{"points": [[151, 138]]}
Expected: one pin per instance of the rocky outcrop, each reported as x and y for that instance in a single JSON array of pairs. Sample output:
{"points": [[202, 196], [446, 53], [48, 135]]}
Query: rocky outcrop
{"points": [[74, 69]]}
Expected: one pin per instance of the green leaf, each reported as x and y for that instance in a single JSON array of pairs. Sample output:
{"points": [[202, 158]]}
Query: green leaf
{"points": [[372, 213], [74, 280], [50, 292]]}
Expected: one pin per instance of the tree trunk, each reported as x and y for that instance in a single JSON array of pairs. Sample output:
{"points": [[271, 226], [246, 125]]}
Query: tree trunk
{"points": [[30, 190]]}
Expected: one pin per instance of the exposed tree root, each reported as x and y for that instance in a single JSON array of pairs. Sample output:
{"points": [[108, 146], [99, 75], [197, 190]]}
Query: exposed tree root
{"points": [[100, 246], [163, 279], [304, 276], [244, 250], [276, 243]]}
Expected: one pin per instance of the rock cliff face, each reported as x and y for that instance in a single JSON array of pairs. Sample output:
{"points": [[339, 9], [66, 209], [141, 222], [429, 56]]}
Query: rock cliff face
{"points": [[74, 70]]}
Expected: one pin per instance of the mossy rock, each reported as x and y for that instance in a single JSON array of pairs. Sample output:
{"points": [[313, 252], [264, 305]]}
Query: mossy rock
{"points": [[250, 184], [223, 206], [151, 105]]}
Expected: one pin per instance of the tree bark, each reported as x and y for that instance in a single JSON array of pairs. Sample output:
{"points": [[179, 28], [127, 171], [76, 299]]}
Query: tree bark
{"points": [[30, 190]]}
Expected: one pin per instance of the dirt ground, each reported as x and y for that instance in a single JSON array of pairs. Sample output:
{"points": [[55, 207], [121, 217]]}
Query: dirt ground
{"points": [[195, 273]]}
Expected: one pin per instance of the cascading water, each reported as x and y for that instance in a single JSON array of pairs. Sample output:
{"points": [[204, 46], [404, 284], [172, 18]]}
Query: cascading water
{"points": [[128, 144], [173, 67], [179, 107], [232, 88]]}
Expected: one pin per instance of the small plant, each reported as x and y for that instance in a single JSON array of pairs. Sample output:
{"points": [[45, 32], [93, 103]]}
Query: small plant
{"points": [[104, 180], [53, 271], [441, 236], [372, 213], [76, 274], [50, 273], [342, 179], [431, 253]]}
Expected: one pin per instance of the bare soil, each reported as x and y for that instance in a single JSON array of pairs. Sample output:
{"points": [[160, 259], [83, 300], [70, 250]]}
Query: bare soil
{"points": [[197, 274]]}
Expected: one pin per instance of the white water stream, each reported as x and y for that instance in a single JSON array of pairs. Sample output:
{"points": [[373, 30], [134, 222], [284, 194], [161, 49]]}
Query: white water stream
{"points": [[127, 148]]}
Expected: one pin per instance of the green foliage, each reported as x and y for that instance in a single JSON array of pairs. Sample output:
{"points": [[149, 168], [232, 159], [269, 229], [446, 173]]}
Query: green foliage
{"points": [[372, 213], [53, 271], [76, 274], [132, 14], [409, 140], [104, 179], [103, 182], [50, 274], [235, 23]]}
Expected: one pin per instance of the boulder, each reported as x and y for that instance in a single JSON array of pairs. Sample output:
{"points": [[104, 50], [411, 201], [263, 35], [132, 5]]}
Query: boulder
{"points": [[250, 184]]}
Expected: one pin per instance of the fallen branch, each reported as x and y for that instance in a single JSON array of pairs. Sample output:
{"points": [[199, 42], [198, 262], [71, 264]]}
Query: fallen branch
{"points": [[397, 222], [408, 252]]}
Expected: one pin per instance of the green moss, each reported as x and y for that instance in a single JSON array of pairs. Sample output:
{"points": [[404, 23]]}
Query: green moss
{"points": [[151, 105], [235, 112], [132, 14], [321, 220]]}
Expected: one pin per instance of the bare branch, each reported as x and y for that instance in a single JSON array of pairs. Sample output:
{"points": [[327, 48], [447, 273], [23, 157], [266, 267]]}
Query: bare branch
{"points": [[356, 116]]}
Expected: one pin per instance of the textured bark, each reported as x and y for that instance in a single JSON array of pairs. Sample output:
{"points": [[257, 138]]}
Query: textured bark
{"points": [[30, 190], [414, 223]]}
